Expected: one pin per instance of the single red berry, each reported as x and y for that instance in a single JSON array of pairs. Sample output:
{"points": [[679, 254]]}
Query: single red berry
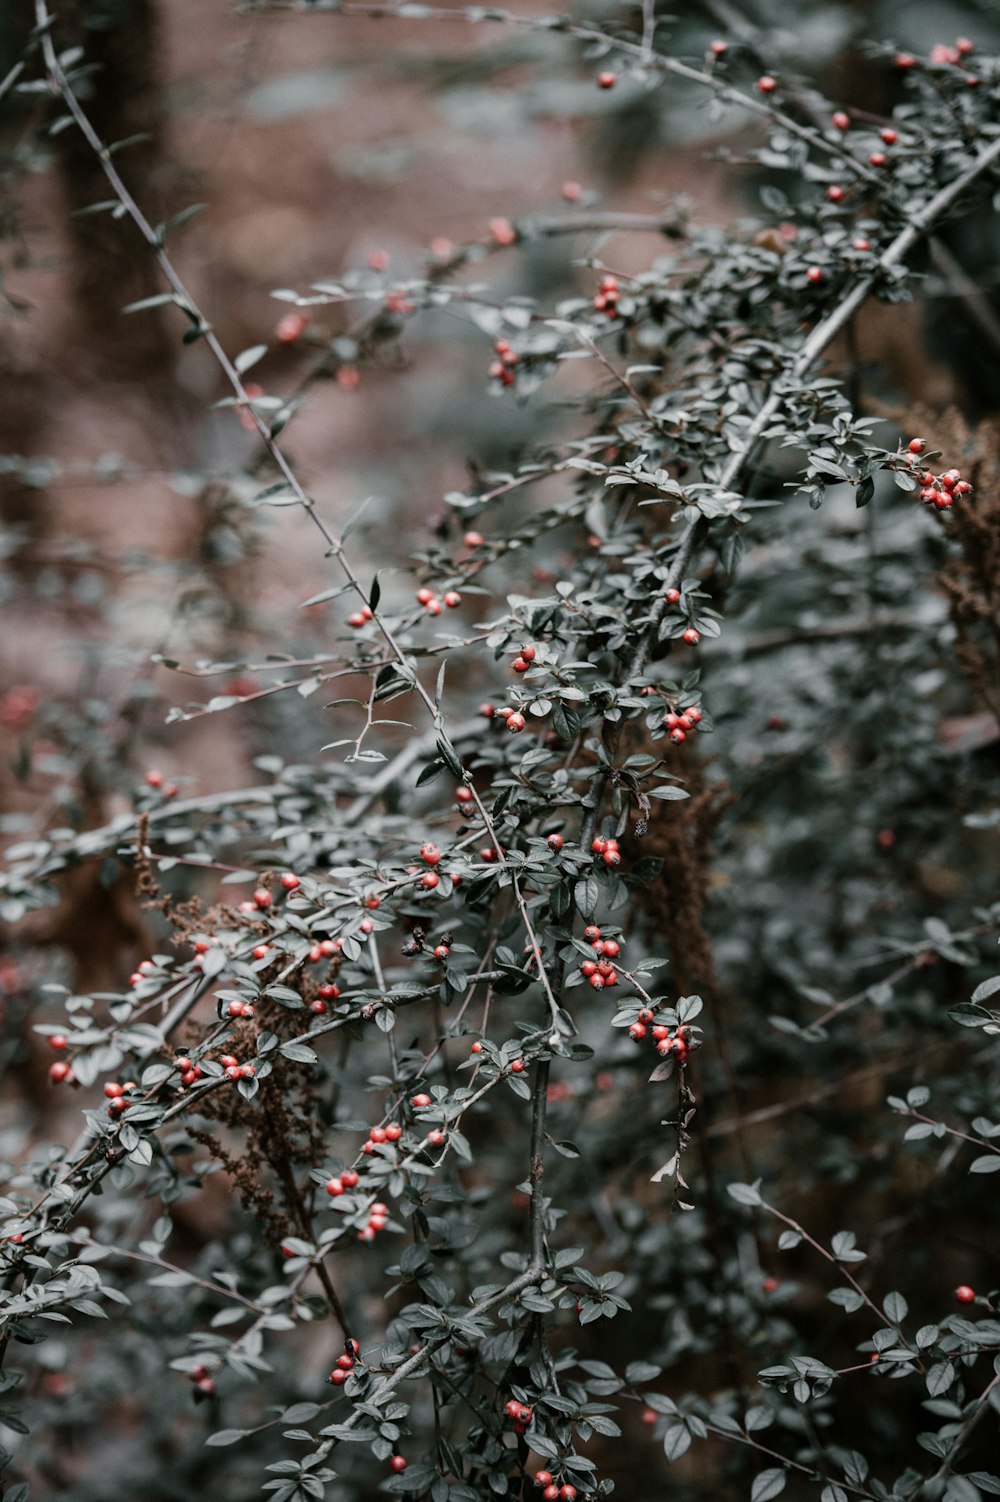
{"points": [[814, 274], [515, 722], [606, 80], [517, 1066], [905, 60], [554, 842], [769, 1285], [611, 858], [835, 193], [964, 1294], [60, 1072], [393, 1132], [477, 1047], [337, 1377], [473, 539], [841, 120], [765, 85], [397, 1463], [691, 636], [878, 158], [349, 1178], [567, 1493], [571, 192], [262, 898], [453, 599], [637, 1031], [334, 1187], [861, 244], [677, 736], [58, 1041], [718, 48], [551, 1492], [290, 881], [543, 1478], [890, 137], [419, 1101], [520, 665], [424, 595], [441, 951], [672, 596]]}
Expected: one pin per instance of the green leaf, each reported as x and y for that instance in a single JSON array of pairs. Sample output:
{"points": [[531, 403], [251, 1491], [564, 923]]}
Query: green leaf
{"points": [[768, 1484]]}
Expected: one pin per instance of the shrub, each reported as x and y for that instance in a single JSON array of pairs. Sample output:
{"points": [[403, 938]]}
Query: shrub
{"points": [[523, 1076]]}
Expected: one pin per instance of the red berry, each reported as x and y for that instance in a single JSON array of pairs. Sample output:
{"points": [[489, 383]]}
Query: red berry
{"points": [[517, 1067], [543, 1478], [769, 1285], [334, 1187], [453, 599], [419, 1101], [515, 722], [691, 636], [890, 137], [551, 1492], [835, 193], [262, 898], [397, 1463], [765, 85], [58, 1041], [424, 596], [672, 596], [591, 932], [477, 1047], [964, 1294], [555, 842], [637, 1031], [290, 881], [606, 80], [567, 1493], [878, 158], [841, 120], [814, 274], [861, 244], [60, 1072], [520, 665], [718, 48], [349, 1178], [905, 60], [441, 951], [473, 539], [611, 858]]}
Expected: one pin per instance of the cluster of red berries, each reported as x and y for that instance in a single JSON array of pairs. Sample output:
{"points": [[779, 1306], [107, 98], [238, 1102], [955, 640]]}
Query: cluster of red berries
{"points": [[116, 1093], [600, 971], [941, 53], [154, 780], [360, 617], [676, 1041], [606, 300], [690, 635], [936, 490], [514, 719], [519, 1414], [551, 1491], [240, 1008], [235, 1070], [379, 1134], [140, 973], [190, 1071], [346, 1364], [502, 368], [324, 949], [202, 1379], [342, 1182], [429, 600], [607, 849], [525, 657], [682, 725], [378, 1219]]}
